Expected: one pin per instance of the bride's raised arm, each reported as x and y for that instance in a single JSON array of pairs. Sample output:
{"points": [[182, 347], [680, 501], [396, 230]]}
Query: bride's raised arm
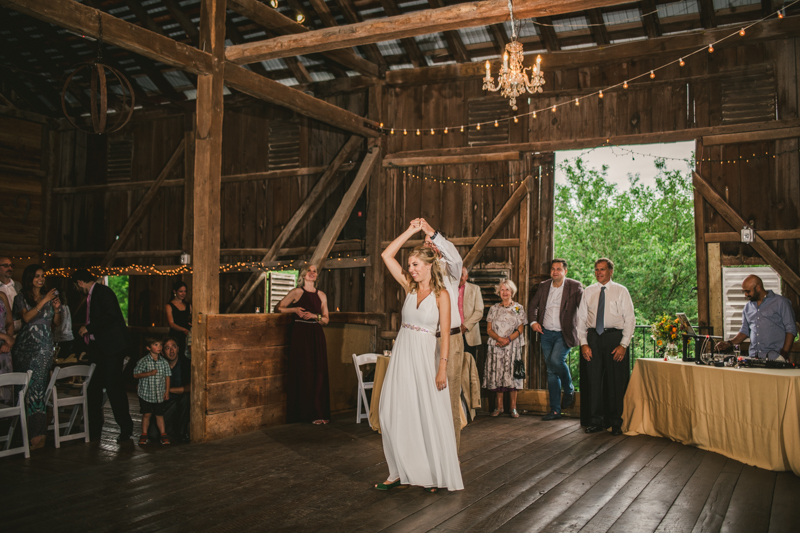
{"points": [[397, 271]]}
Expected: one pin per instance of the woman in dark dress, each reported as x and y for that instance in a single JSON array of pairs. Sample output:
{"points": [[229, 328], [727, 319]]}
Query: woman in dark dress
{"points": [[34, 349], [179, 316], [308, 394]]}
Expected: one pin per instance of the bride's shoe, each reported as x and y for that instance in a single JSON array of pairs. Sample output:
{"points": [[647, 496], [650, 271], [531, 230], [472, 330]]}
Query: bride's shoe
{"points": [[497, 412], [386, 485]]}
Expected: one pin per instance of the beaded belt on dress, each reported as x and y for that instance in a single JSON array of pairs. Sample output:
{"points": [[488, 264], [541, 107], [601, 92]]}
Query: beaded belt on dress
{"points": [[307, 321], [417, 328]]}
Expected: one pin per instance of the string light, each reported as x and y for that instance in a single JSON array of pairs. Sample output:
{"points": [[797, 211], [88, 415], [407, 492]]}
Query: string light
{"points": [[445, 130], [405, 132], [496, 124], [431, 131], [418, 132], [392, 132], [577, 102], [479, 126], [681, 61], [554, 109]]}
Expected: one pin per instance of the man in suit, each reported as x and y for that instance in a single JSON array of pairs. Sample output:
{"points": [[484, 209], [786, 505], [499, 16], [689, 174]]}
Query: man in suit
{"points": [[606, 323], [106, 335], [470, 306], [553, 311]]}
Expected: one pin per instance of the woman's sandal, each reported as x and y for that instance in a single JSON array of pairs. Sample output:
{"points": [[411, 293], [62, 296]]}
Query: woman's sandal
{"points": [[497, 412], [431, 489], [387, 486], [514, 413]]}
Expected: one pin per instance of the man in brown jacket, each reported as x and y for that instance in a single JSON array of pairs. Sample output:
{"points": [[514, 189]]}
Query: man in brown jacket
{"points": [[552, 311]]}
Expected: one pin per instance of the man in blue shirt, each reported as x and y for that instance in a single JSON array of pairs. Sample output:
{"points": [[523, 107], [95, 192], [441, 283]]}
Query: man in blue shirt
{"points": [[767, 319]]}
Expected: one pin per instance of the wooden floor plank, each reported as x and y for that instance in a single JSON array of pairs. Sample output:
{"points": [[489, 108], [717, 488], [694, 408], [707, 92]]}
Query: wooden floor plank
{"points": [[716, 505], [520, 475], [685, 510], [785, 516], [751, 502]]}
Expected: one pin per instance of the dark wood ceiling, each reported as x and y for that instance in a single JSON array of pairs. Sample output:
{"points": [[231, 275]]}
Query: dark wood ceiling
{"points": [[36, 57]]}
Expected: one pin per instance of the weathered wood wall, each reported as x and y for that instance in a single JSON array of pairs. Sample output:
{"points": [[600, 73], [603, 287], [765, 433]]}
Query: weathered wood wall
{"points": [[24, 159]]}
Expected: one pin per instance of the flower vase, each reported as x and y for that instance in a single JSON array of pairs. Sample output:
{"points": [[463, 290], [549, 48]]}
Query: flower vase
{"points": [[671, 352]]}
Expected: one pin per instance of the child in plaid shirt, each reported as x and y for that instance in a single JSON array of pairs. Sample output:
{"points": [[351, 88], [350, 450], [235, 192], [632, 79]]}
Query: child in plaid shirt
{"points": [[153, 373]]}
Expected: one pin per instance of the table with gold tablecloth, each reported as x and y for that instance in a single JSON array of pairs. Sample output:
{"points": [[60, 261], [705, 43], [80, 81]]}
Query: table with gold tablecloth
{"points": [[751, 415], [374, 404]]}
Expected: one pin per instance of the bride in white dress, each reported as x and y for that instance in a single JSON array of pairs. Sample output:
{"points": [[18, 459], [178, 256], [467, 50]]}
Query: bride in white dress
{"points": [[416, 421]]}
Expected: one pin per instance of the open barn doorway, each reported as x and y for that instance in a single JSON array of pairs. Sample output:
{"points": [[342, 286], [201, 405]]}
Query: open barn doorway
{"points": [[634, 205]]}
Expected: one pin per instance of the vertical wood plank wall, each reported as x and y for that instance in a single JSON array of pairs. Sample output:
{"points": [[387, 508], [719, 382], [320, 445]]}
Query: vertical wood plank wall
{"points": [[247, 357]]}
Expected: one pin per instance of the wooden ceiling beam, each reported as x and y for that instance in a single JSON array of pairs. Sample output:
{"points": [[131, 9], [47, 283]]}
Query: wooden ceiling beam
{"points": [[598, 27], [84, 20], [454, 43], [707, 13], [467, 15], [352, 16], [499, 36], [548, 33], [415, 55], [651, 22], [270, 18], [767, 30]]}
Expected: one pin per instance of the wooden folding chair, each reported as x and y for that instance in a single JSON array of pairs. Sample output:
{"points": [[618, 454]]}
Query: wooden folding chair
{"points": [[358, 360], [67, 400], [18, 379]]}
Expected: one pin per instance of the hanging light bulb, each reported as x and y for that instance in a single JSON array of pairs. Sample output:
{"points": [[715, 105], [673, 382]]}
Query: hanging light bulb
{"points": [[516, 119], [600, 95], [534, 114], [445, 130], [405, 132], [625, 85], [741, 32], [418, 131], [781, 14], [496, 124], [554, 109], [710, 48], [652, 75], [682, 62], [431, 131], [299, 18], [381, 126], [391, 132], [462, 129], [479, 126], [273, 4], [577, 102]]}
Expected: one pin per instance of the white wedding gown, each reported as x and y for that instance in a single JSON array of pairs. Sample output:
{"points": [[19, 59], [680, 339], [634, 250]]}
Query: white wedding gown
{"points": [[416, 421]]}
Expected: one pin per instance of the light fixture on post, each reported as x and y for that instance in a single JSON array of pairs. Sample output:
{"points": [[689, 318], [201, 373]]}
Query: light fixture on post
{"points": [[513, 79]]}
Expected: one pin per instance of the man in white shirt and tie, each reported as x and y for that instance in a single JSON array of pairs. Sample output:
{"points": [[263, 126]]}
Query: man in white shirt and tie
{"points": [[606, 323], [450, 262]]}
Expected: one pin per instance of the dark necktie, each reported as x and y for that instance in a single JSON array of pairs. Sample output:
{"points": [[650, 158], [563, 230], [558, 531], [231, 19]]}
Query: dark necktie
{"points": [[601, 312]]}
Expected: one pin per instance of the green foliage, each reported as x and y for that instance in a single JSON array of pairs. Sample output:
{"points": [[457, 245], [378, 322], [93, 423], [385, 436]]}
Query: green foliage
{"points": [[119, 284], [647, 231]]}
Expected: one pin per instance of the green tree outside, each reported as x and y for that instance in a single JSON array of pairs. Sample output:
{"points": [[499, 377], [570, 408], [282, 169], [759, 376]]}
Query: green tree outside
{"points": [[119, 284], [648, 231]]}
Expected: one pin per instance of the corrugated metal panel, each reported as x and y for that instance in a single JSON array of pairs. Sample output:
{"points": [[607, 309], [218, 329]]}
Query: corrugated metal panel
{"points": [[674, 9], [617, 41], [574, 46], [725, 4], [176, 78], [413, 3], [274, 64], [570, 24], [321, 76], [289, 82], [433, 41], [526, 29], [475, 35], [401, 67], [146, 84], [390, 48], [308, 62], [622, 17]]}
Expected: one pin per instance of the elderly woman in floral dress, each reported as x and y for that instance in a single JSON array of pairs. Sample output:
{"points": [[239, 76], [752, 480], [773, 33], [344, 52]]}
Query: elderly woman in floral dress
{"points": [[506, 321]]}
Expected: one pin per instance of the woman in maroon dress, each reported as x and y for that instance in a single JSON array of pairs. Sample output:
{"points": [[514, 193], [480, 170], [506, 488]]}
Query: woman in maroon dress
{"points": [[308, 394]]}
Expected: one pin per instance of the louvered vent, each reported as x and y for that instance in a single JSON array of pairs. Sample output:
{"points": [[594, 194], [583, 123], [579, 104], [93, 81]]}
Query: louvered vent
{"points": [[748, 95], [734, 299], [284, 145], [120, 158], [486, 111]]}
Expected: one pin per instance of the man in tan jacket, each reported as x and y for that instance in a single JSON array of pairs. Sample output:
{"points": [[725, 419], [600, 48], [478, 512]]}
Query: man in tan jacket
{"points": [[470, 307]]}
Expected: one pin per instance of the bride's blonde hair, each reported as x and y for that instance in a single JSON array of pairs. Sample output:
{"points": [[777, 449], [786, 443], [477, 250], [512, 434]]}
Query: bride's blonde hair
{"points": [[428, 257]]}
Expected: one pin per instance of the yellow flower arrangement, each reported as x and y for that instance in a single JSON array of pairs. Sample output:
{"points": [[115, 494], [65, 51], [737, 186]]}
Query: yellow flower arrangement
{"points": [[666, 333]]}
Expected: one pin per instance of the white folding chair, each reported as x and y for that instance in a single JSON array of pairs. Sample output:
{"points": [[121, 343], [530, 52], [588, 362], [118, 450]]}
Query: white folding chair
{"points": [[67, 400], [358, 360], [23, 379]]}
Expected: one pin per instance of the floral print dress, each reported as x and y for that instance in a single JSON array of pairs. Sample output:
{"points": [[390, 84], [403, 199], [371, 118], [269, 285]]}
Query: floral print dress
{"points": [[499, 373]]}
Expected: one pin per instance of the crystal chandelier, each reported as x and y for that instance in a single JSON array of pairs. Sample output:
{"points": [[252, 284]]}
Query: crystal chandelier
{"points": [[513, 79]]}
